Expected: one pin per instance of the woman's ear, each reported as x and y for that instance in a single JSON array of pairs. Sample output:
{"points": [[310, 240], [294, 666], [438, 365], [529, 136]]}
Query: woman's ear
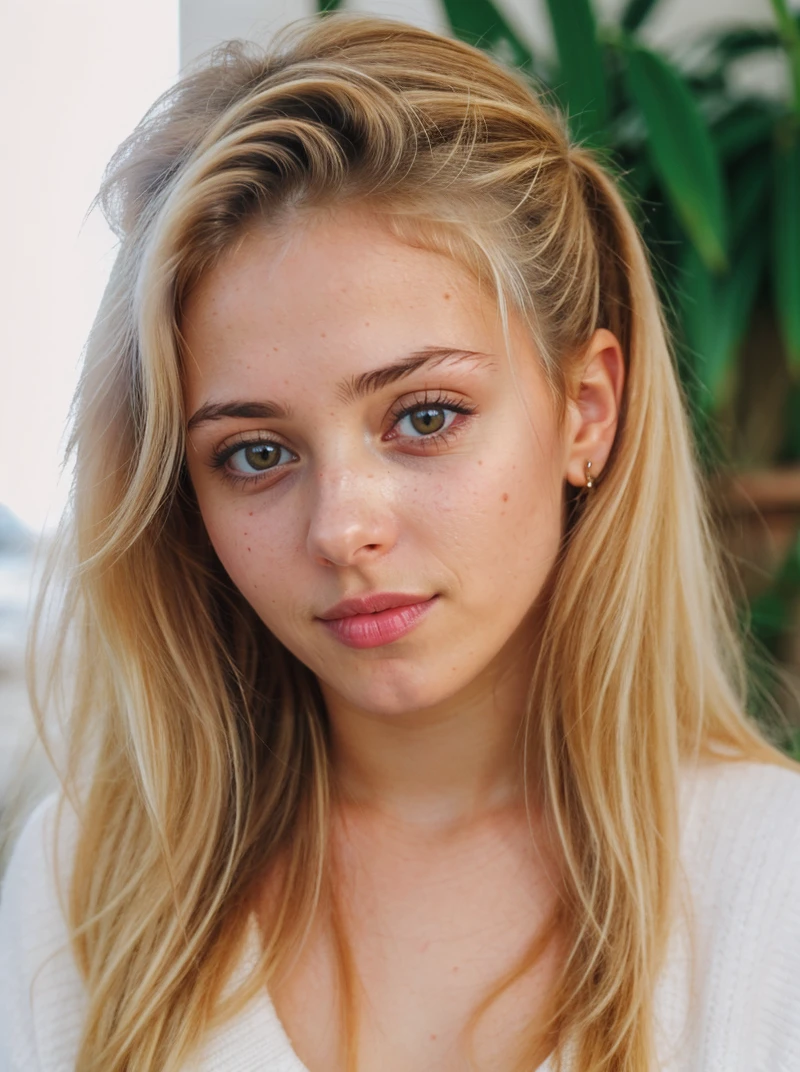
{"points": [[593, 407]]}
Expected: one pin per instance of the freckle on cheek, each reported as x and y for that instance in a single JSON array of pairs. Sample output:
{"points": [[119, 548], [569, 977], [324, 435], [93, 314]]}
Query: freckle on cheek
{"points": [[505, 496]]}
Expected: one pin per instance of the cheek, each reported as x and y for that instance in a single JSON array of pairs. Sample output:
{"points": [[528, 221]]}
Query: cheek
{"points": [[499, 517], [256, 556]]}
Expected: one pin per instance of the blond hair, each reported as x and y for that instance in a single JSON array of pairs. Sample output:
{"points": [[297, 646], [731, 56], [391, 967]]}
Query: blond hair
{"points": [[198, 756]]}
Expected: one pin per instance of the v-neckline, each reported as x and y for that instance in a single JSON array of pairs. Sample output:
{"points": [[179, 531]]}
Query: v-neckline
{"points": [[256, 1040]]}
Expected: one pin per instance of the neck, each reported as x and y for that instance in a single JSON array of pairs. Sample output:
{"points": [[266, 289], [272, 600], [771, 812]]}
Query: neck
{"points": [[440, 767]]}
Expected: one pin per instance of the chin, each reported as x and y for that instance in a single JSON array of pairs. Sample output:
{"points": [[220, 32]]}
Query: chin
{"points": [[394, 696]]}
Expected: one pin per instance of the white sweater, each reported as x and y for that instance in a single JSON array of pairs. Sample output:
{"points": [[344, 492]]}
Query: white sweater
{"points": [[739, 1012]]}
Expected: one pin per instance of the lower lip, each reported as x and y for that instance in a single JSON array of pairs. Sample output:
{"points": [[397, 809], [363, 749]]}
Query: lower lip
{"points": [[374, 630]]}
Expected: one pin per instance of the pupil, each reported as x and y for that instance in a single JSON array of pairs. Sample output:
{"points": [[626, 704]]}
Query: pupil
{"points": [[262, 456], [428, 420]]}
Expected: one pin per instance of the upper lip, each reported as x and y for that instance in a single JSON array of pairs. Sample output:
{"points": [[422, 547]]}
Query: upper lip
{"points": [[371, 604]]}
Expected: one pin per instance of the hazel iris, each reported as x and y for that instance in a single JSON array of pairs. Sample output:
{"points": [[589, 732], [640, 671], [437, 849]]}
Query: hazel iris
{"points": [[262, 455], [429, 419]]}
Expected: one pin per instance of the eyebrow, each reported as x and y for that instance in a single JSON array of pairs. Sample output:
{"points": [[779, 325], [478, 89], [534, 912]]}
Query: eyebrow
{"points": [[349, 390]]}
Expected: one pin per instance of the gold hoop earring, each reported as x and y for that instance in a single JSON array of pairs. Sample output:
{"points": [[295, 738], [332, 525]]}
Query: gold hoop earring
{"points": [[589, 477]]}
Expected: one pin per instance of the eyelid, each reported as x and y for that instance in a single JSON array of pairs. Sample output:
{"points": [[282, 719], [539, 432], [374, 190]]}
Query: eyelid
{"points": [[438, 399], [230, 446], [433, 398]]}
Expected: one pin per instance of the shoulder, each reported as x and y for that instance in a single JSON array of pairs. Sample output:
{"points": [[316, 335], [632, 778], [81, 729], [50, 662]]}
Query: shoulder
{"points": [[38, 872], [741, 813], [40, 987], [740, 848], [746, 781], [740, 856]]}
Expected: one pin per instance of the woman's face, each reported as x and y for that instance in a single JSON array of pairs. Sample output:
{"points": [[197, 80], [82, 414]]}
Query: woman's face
{"points": [[356, 430]]}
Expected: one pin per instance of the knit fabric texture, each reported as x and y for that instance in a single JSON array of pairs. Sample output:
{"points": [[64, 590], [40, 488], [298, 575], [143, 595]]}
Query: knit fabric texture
{"points": [[728, 999]]}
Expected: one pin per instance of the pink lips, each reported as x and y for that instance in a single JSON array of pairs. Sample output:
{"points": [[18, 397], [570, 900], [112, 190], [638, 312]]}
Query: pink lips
{"points": [[373, 620]]}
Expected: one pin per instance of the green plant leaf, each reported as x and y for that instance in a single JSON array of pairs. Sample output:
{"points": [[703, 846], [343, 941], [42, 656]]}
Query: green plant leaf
{"points": [[744, 40], [638, 178], [703, 84], [749, 189], [325, 6], [740, 41], [716, 311], [480, 23], [749, 124], [695, 294], [634, 14], [786, 243], [736, 296], [791, 423], [789, 32], [792, 745], [682, 152], [769, 617], [581, 81], [788, 579]]}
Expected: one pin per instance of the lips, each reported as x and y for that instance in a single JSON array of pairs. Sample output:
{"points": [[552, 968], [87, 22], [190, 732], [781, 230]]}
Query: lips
{"points": [[374, 620], [373, 603]]}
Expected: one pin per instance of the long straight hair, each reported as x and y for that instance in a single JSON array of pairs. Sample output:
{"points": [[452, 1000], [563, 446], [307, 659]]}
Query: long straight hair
{"points": [[197, 745]]}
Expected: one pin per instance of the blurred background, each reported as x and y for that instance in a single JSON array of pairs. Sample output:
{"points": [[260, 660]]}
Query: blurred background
{"points": [[695, 107]]}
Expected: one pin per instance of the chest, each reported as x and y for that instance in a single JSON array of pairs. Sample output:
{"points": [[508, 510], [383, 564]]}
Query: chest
{"points": [[429, 936]]}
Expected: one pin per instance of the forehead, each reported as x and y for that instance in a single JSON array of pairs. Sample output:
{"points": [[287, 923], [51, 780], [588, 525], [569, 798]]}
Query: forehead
{"points": [[338, 295]]}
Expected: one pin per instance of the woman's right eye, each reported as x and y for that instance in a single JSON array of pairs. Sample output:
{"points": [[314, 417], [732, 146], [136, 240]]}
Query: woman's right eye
{"points": [[252, 459]]}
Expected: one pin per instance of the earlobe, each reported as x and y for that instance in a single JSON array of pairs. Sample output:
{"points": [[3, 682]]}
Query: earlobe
{"points": [[594, 409]]}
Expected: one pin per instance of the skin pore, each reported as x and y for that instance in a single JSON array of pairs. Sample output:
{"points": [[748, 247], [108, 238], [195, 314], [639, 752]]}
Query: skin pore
{"points": [[442, 479]]}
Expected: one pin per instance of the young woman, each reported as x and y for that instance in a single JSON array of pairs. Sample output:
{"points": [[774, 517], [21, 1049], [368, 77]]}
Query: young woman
{"points": [[407, 726]]}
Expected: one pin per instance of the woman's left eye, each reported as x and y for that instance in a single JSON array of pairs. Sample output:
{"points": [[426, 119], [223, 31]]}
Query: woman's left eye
{"points": [[427, 420]]}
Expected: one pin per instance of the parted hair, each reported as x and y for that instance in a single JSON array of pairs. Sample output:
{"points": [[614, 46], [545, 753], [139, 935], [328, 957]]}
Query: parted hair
{"points": [[197, 745]]}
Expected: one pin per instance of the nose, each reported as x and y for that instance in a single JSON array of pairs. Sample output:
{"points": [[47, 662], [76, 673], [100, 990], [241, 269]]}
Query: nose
{"points": [[352, 520]]}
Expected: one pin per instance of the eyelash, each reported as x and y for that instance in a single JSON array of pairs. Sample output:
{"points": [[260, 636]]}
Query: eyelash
{"points": [[424, 400], [439, 401]]}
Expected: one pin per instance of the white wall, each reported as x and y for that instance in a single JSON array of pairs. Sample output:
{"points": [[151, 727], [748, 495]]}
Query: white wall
{"points": [[74, 80]]}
